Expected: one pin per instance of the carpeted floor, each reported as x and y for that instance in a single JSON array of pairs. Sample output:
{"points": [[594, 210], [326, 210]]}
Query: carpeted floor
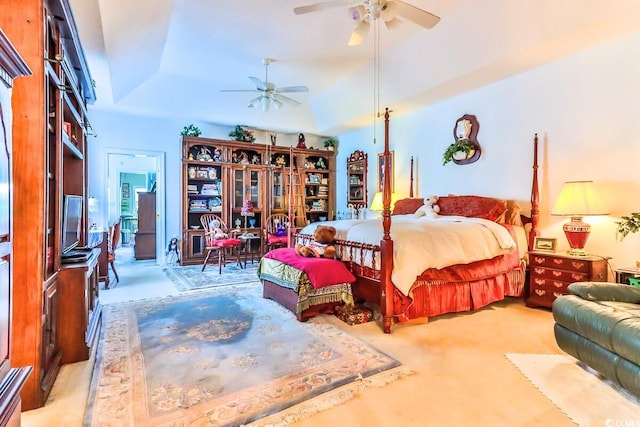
{"points": [[191, 277], [223, 356], [578, 391]]}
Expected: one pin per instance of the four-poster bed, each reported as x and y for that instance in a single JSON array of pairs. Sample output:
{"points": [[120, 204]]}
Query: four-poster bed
{"points": [[409, 282]]}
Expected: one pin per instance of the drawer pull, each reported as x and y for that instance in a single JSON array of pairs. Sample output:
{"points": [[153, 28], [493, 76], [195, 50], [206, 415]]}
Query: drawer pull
{"points": [[577, 277], [539, 281], [540, 292], [558, 261], [557, 273], [577, 264], [538, 260], [538, 270]]}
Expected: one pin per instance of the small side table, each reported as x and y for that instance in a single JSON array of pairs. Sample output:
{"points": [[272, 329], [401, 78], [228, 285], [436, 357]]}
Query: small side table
{"points": [[252, 244], [625, 273]]}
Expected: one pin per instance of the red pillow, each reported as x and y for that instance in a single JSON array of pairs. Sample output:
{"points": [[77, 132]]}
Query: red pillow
{"points": [[472, 206], [407, 206]]}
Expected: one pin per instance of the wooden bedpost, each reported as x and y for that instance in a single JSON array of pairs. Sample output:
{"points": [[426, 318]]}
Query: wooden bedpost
{"points": [[411, 179], [535, 197], [386, 244]]}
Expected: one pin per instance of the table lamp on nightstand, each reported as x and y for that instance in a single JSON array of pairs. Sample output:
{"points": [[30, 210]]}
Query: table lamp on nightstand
{"points": [[578, 199]]}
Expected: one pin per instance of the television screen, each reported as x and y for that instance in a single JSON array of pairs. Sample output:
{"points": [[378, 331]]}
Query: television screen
{"points": [[71, 223]]}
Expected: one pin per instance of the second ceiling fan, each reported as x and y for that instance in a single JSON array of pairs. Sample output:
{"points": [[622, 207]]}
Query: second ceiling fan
{"points": [[269, 95], [363, 12]]}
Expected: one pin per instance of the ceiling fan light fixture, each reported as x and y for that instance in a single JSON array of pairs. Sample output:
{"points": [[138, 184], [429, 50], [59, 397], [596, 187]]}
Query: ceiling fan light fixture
{"points": [[358, 13], [359, 32], [276, 104]]}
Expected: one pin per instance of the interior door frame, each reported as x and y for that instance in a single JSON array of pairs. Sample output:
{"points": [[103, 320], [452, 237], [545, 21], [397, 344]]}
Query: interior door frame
{"points": [[159, 157]]}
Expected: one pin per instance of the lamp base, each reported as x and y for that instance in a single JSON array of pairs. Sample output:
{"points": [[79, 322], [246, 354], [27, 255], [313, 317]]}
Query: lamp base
{"points": [[577, 233]]}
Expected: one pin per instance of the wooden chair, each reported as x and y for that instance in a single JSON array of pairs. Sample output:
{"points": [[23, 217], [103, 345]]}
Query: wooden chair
{"points": [[114, 241], [218, 240], [275, 225]]}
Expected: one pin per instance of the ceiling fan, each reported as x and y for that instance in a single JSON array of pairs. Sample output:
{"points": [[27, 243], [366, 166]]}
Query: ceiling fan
{"points": [[268, 94], [363, 12]]}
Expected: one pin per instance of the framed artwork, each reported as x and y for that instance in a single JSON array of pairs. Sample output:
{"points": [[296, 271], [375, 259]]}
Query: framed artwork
{"points": [[544, 244], [381, 170]]}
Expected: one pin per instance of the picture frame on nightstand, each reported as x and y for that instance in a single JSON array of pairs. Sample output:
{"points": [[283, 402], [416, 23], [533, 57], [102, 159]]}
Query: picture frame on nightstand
{"points": [[545, 244]]}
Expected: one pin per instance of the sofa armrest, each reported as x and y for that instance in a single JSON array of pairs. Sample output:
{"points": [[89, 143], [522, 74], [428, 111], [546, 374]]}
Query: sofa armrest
{"points": [[605, 291]]}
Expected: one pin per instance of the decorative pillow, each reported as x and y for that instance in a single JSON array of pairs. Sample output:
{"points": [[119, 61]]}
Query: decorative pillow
{"points": [[407, 206], [472, 206]]}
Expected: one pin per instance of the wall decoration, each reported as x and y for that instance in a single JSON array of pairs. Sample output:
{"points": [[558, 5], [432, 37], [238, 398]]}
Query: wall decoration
{"points": [[381, 171], [465, 149]]}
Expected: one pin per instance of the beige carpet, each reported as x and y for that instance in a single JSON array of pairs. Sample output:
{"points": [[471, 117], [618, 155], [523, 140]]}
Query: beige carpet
{"points": [[578, 391]]}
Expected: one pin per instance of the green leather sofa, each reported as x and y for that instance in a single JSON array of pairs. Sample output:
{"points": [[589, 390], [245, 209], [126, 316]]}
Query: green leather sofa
{"points": [[599, 324]]}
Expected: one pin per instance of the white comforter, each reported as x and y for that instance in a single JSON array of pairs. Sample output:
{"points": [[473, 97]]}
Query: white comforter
{"points": [[421, 243]]}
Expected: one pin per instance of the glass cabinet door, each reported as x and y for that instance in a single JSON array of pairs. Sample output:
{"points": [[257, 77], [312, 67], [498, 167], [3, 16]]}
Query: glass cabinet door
{"points": [[357, 181], [247, 198]]}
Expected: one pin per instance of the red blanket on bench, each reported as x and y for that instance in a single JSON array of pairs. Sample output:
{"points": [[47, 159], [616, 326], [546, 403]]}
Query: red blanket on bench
{"points": [[321, 271]]}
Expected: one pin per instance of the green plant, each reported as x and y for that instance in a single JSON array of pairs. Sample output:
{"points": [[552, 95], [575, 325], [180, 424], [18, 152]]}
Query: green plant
{"points": [[191, 130], [460, 145], [239, 133], [331, 142], [628, 224]]}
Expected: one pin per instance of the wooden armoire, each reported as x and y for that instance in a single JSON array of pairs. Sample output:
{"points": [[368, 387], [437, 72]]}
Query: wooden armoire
{"points": [[55, 309], [11, 378]]}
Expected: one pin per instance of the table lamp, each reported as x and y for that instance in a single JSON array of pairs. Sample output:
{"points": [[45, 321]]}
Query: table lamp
{"points": [[578, 199], [376, 203]]}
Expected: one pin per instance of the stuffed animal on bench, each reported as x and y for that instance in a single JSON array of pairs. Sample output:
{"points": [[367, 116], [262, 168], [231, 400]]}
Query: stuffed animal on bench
{"points": [[321, 246]]}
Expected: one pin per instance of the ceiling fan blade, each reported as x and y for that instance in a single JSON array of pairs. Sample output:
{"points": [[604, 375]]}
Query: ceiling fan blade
{"points": [[255, 101], [285, 99], [320, 6], [239, 90], [259, 83], [292, 89], [414, 14]]}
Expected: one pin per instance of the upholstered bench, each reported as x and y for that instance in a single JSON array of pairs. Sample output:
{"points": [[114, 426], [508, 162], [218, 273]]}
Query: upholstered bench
{"points": [[305, 286]]}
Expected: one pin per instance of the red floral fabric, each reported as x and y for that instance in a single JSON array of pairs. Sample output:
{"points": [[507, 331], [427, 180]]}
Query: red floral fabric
{"points": [[407, 206], [472, 206]]}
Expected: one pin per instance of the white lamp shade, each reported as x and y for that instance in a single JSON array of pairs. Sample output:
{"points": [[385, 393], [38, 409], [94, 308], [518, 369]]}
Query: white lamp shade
{"points": [[579, 198]]}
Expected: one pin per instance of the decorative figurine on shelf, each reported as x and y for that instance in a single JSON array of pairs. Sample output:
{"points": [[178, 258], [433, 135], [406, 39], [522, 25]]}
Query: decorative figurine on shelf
{"points": [[204, 155], [280, 161], [190, 157], [215, 227], [255, 159], [301, 141], [280, 230], [217, 155], [320, 163], [242, 158], [273, 139]]}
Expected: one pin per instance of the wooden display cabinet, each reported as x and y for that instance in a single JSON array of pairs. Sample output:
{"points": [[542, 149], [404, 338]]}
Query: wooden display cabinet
{"points": [[357, 181], [551, 274], [50, 124], [219, 176]]}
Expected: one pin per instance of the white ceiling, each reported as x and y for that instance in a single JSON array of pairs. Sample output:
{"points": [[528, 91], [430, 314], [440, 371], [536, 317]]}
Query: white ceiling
{"points": [[171, 58]]}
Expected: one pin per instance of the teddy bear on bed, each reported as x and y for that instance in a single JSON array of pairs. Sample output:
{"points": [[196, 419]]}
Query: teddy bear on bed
{"points": [[430, 207], [322, 244]]}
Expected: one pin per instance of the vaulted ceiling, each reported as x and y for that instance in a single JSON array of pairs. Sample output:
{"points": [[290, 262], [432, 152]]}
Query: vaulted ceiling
{"points": [[171, 58]]}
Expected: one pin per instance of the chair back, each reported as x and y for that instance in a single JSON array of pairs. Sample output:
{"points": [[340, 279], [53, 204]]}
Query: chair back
{"points": [[210, 235], [276, 230], [114, 236]]}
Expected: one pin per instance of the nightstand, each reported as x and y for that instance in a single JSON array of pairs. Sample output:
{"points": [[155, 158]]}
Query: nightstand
{"points": [[551, 273]]}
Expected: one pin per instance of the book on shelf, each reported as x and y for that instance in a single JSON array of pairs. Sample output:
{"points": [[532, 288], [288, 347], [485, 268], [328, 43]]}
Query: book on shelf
{"points": [[210, 190], [192, 189]]}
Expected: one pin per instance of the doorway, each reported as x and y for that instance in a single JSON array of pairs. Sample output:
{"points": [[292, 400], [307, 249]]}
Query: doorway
{"points": [[129, 174]]}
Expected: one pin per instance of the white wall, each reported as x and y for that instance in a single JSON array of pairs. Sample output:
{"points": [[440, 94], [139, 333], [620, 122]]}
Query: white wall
{"points": [[585, 109]]}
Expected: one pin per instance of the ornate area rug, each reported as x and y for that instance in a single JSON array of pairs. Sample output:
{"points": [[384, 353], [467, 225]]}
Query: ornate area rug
{"points": [[578, 391], [190, 277], [223, 357]]}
